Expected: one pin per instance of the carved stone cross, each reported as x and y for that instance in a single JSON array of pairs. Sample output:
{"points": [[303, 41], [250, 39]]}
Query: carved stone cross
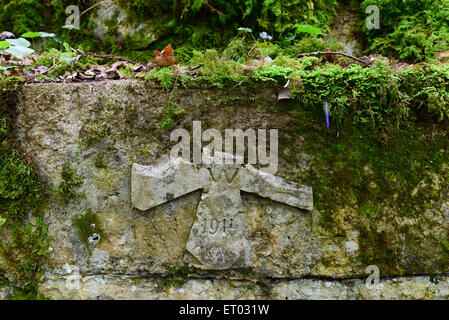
{"points": [[218, 239]]}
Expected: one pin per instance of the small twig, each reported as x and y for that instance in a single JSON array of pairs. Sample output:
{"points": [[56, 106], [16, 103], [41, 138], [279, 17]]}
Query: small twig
{"points": [[212, 9], [254, 47], [321, 53], [42, 73], [103, 56], [92, 7], [196, 67], [174, 86]]}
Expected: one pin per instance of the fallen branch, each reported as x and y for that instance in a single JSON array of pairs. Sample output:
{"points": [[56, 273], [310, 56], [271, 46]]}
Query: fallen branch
{"points": [[196, 67], [87, 10], [212, 9], [321, 53], [103, 56]]}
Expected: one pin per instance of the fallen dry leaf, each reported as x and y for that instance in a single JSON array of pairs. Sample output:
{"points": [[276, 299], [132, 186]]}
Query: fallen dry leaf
{"points": [[165, 58], [113, 73]]}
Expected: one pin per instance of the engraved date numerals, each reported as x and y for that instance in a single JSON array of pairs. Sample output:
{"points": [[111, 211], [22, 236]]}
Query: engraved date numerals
{"points": [[213, 225]]}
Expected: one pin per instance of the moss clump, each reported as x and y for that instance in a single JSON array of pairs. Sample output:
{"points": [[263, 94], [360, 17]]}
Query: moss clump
{"points": [[170, 113], [163, 75], [89, 228], [94, 134], [65, 61], [24, 253], [245, 272], [175, 276], [376, 96], [8, 87], [23, 246], [69, 181], [20, 190], [100, 161]]}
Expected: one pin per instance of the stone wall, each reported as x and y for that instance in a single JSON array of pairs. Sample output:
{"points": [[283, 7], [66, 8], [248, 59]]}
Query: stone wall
{"points": [[143, 254]]}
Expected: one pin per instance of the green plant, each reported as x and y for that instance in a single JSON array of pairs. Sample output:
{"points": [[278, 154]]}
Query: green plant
{"points": [[94, 134], [100, 161], [411, 30], [175, 276], [169, 113], [88, 227], [379, 95], [24, 254], [202, 22], [216, 71], [69, 180], [23, 247], [163, 75], [20, 189], [19, 48]]}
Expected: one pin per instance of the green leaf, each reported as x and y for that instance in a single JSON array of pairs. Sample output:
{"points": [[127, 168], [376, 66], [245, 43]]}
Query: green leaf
{"points": [[2, 222], [69, 60], [21, 42], [31, 35], [177, 112], [245, 29], [46, 34], [2, 68], [66, 46], [4, 44], [19, 52], [308, 29]]}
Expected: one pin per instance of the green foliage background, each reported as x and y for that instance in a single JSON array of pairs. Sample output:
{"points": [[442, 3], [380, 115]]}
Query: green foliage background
{"points": [[411, 30]]}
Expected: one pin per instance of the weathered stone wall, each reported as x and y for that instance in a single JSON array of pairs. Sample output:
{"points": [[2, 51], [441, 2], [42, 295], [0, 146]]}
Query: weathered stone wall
{"points": [[142, 254]]}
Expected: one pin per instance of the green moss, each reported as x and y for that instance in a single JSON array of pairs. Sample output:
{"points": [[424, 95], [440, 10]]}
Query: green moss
{"points": [[62, 62], [9, 86], [21, 194], [88, 226], [245, 272], [163, 75], [94, 134], [24, 253], [376, 249], [69, 181], [175, 276], [411, 30], [100, 161], [216, 71], [379, 96], [202, 24], [170, 113], [381, 154]]}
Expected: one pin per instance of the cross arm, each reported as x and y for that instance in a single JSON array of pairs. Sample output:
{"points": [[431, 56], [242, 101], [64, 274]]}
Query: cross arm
{"points": [[155, 185], [275, 188]]}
